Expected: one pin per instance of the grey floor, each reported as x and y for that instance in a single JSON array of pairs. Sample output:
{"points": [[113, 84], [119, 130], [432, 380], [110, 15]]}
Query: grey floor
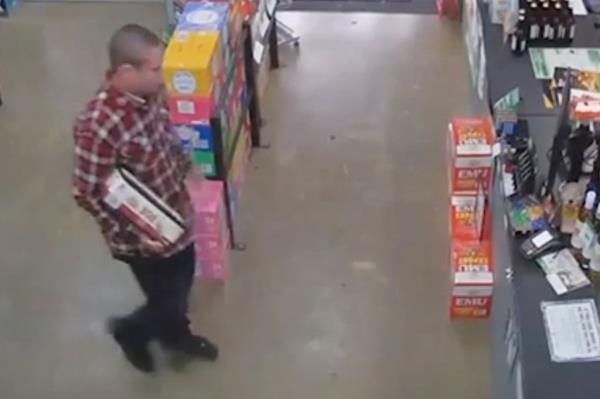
{"points": [[343, 290]]}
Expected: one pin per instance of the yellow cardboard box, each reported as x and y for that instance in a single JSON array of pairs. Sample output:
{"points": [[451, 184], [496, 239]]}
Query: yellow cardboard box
{"points": [[193, 62]]}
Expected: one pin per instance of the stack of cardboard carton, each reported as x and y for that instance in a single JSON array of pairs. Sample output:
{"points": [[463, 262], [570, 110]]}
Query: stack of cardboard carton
{"points": [[204, 76], [471, 143], [211, 235]]}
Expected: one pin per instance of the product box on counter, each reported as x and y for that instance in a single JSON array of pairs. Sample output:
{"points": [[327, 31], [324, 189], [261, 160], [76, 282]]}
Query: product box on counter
{"points": [[472, 279], [193, 63], [471, 147], [124, 193]]}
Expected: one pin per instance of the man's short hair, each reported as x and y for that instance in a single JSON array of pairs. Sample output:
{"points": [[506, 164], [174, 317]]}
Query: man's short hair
{"points": [[127, 45]]}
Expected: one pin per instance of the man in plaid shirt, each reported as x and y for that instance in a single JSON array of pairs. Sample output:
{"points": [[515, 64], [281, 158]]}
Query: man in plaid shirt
{"points": [[126, 125]]}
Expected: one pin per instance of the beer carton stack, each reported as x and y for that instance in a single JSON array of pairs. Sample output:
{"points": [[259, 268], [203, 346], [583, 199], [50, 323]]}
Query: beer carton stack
{"points": [[211, 235], [201, 61], [471, 144]]}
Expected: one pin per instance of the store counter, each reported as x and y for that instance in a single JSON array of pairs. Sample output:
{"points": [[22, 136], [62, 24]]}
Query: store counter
{"points": [[506, 71], [520, 284]]}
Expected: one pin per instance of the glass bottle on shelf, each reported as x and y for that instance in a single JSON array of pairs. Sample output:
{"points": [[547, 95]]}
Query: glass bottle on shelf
{"points": [[571, 28], [589, 236], [534, 27], [595, 262], [586, 215], [561, 30], [518, 39], [570, 199]]}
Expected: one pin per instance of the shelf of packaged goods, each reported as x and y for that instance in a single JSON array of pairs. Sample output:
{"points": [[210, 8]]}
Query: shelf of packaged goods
{"points": [[237, 134]]}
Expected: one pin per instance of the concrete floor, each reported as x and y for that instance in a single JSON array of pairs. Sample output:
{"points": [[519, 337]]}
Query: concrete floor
{"points": [[343, 290]]}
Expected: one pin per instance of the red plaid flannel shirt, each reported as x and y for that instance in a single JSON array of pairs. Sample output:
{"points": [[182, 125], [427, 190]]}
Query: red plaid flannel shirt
{"points": [[120, 129]]}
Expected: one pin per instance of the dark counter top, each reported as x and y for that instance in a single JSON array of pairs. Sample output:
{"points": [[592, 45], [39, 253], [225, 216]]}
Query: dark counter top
{"points": [[506, 71], [541, 378]]}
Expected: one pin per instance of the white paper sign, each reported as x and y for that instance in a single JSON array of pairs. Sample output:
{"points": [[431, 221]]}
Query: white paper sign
{"points": [[573, 330], [578, 7]]}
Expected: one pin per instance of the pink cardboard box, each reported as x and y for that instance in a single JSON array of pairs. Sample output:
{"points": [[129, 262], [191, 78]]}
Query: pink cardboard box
{"points": [[209, 208], [215, 269], [210, 247]]}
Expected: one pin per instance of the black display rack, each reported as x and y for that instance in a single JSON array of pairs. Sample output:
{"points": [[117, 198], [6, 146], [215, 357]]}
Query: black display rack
{"points": [[251, 109], [3, 8]]}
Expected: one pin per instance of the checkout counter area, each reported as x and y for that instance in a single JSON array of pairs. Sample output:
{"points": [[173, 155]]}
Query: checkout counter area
{"points": [[522, 366]]}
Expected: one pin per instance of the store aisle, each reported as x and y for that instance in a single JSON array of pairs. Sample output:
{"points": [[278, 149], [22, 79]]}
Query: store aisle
{"points": [[343, 290]]}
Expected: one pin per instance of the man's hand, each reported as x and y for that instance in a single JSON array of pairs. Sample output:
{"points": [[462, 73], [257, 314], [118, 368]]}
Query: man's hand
{"points": [[153, 246]]}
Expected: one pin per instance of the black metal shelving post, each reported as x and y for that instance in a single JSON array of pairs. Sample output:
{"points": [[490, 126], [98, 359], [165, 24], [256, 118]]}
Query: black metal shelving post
{"points": [[221, 173], [3, 8], [273, 46], [252, 92]]}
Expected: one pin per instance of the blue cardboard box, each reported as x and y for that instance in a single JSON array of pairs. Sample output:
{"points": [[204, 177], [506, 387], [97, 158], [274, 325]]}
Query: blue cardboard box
{"points": [[195, 137], [206, 17]]}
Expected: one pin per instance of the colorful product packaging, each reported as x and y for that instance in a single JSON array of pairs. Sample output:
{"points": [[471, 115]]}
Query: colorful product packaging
{"points": [[193, 63], [472, 279], [236, 21], [206, 160], [209, 207], [471, 154], [207, 16], [204, 16], [124, 193], [211, 234], [215, 269], [467, 221], [238, 169], [188, 109], [195, 137]]}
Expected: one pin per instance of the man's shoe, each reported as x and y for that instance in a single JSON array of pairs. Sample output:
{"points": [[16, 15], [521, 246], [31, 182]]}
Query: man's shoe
{"points": [[136, 353], [198, 347]]}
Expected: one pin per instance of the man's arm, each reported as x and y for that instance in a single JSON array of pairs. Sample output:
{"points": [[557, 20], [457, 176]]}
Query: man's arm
{"points": [[95, 159]]}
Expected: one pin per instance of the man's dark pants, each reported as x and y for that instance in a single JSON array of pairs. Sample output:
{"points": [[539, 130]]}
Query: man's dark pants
{"points": [[166, 283]]}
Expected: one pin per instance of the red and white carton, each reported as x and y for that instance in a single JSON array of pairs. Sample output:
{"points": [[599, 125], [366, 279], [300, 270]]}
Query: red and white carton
{"points": [[470, 219], [187, 109], [124, 193], [471, 149], [472, 279]]}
